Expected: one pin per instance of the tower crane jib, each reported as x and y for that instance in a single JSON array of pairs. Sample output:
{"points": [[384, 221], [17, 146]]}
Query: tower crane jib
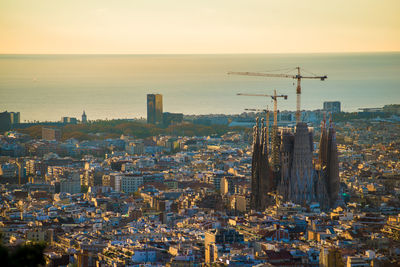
{"points": [[297, 76]]}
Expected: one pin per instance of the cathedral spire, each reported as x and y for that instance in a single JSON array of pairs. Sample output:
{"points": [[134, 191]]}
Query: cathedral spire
{"points": [[323, 144], [84, 117]]}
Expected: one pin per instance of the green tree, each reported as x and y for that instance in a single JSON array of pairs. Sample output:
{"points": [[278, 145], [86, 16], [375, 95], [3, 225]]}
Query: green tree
{"points": [[26, 255], [84, 189]]}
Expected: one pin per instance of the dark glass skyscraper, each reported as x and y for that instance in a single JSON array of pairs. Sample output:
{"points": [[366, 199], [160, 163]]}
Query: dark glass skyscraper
{"points": [[5, 121], [154, 109]]}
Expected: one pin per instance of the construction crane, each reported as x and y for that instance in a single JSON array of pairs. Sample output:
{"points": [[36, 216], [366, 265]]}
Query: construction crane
{"points": [[274, 97], [266, 122], [275, 152], [297, 76]]}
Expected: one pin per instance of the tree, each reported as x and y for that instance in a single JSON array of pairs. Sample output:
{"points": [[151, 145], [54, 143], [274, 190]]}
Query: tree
{"points": [[26, 255], [84, 189]]}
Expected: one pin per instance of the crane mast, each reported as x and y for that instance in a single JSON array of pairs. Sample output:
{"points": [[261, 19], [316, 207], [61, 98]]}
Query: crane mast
{"points": [[298, 96], [298, 77]]}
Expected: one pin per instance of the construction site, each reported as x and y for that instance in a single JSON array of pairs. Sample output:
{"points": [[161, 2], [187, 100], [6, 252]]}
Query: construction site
{"points": [[283, 167]]}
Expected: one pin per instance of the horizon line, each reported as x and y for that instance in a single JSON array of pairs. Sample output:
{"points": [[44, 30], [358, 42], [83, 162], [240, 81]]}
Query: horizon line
{"points": [[166, 54]]}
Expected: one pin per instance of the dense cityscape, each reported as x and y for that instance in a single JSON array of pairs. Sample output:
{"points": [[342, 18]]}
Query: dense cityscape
{"points": [[200, 133], [322, 191]]}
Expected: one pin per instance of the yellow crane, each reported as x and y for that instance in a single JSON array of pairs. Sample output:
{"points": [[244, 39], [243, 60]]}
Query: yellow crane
{"points": [[275, 152], [297, 77]]}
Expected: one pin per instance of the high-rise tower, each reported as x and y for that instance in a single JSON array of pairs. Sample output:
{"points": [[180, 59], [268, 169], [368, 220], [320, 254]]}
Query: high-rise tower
{"points": [[5, 121], [154, 109]]}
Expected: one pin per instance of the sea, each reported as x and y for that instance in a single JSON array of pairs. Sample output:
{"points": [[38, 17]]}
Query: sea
{"points": [[48, 87]]}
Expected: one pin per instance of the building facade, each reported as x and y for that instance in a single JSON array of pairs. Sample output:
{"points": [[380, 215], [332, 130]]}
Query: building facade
{"points": [[217, 241], [154, 109], [302, 181], [298, 178], [69, 120], [128, 183], [332, 106], [71, 184], [5, 121], [172, 118], [15, 117], [51, 134]]}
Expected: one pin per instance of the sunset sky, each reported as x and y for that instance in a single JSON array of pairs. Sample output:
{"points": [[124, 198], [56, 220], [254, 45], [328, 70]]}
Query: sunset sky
{"points": [[206, 26]]}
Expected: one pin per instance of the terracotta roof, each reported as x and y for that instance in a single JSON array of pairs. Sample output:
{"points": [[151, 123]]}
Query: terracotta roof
{"points": [[278, 255]]}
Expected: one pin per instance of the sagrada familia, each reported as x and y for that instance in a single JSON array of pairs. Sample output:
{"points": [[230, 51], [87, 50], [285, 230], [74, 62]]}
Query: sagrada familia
{"points": [[291, 173]]}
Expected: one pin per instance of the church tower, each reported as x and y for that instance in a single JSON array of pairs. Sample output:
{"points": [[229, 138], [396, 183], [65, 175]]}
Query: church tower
{"points": [[84, 117]]}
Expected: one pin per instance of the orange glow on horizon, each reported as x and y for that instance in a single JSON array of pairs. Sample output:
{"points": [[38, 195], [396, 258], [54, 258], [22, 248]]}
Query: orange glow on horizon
{"points": [[177, 27]]}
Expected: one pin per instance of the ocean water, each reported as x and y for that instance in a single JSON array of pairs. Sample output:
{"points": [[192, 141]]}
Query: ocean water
{"points": [[47, 87]]}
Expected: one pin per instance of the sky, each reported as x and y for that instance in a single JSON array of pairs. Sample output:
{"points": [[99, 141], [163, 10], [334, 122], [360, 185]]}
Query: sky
{"points": [[198, 26]]}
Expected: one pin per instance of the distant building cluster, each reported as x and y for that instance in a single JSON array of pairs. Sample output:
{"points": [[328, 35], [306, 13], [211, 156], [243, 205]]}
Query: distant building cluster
{"points": [[203, 200], [332, 107], [7, 119], [271, 197], [69, 120], [155, 113], [73, 120], [51, 134]]}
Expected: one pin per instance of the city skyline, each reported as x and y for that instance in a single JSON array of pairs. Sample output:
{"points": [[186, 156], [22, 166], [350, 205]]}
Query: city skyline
{"points": [[173, 27], [66, 85], [124, 142]]}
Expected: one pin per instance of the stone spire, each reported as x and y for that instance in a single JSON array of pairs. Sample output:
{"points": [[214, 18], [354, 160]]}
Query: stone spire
{"points": [[262, 179], [333, 181], [323, 145], [255, 167]]}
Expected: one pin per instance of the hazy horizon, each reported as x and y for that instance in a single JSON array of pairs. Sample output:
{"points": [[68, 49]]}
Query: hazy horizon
{"points": [[189, 54], [47, 87], [206, 27]]}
